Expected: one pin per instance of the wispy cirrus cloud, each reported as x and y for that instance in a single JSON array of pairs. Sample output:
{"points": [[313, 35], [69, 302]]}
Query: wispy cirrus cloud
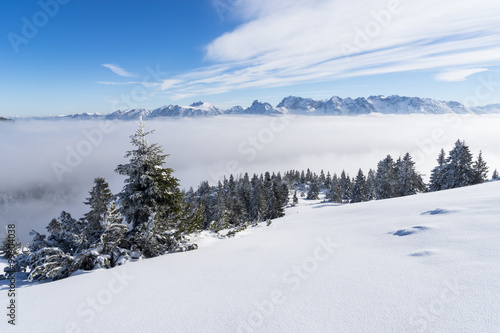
{"points": [[118, 70], [287, 42], [454, 75]]}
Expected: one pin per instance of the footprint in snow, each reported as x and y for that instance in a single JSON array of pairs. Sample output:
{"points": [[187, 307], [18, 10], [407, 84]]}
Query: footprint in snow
{"points": [[406, 232], [422, 254], [437, 211]]}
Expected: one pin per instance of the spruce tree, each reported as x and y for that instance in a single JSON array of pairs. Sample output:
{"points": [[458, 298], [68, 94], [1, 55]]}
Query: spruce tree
{"points": [[495, 175], [258, 200], [151, 200], [313, 193], [99, 199], [113, 230], [345, 187], [480, 170], [335, 190], [438, 179], [295, 200], [370, 185], [458, 170], [359, 188], [385, 178], [408, 180]]}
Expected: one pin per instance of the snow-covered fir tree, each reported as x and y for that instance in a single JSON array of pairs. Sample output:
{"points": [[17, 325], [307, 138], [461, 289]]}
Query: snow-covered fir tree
{"points": [[480, 170], [99, 199], [495, 175], [458, 170], [359, 188], [345, 186], [408, 180], [385, 179], [335, 190], [295, 200], [313, 193], [438, 179], [370, 185], [151, 200]]}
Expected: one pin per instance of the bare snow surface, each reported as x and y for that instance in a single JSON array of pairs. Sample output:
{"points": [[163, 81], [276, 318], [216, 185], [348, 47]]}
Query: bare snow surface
{"points": [[425, 263]]}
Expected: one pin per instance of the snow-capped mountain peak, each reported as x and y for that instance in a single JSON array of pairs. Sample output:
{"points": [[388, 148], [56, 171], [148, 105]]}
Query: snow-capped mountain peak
{"points": [[335, 106]]}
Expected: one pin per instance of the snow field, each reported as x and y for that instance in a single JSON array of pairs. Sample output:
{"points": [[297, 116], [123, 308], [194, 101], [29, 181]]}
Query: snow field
{"points": [[425, 263]]}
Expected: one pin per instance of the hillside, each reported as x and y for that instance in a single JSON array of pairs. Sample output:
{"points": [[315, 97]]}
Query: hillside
{"points": [[425, 263]]}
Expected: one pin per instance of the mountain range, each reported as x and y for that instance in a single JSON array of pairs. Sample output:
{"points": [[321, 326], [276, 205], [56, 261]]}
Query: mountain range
{"points": [[335, 106]]}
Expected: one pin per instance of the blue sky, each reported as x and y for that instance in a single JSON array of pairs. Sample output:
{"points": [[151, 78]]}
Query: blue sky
{"points": [[72, 56]]}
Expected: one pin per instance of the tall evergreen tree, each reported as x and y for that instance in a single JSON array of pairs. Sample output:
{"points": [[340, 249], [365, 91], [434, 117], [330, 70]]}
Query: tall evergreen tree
{"points": [[370, 185], [408, 180], [151, 200], [359, 188], [438, 179], [335, 190], [458, 170], [345, 186], [258, 200], [99, 199], [480, 170], [385, 178], [313, 193], [495, 175]]}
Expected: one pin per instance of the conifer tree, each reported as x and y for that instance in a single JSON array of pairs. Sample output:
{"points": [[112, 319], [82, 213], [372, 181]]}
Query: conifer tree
{"points": [[336, 190], [438, 180], [99, 200], [258, 200], [480, 170], [385, 178], [313, 193], [495, 175], [359, 188], [113, 230], [458, 170], [370, 185], [408, 180], [345, 186], [295, 200], [151, 200]]}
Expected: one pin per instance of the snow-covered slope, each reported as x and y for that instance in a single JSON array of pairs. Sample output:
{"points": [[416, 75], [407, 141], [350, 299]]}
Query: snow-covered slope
{"points": [[425, 263], [302, 106]]}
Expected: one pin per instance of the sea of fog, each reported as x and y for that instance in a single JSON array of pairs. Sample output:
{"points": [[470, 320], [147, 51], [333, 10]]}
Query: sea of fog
{"points": [[49, 166]]}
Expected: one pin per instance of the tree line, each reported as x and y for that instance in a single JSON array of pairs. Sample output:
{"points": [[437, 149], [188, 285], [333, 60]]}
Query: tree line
{"points": [[151, 216]]}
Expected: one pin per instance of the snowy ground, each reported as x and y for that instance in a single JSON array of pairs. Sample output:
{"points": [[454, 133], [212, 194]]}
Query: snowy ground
{"points": [[425, 263]]}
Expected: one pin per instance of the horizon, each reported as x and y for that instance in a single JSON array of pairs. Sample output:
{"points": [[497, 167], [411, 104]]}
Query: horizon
{"points": [[230, 52], [220, 107]]}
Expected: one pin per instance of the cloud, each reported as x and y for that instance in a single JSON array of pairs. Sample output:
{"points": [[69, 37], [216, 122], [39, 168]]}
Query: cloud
{"points": [[118, 70], [285, 42], [457, 74], [200, 150]]}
